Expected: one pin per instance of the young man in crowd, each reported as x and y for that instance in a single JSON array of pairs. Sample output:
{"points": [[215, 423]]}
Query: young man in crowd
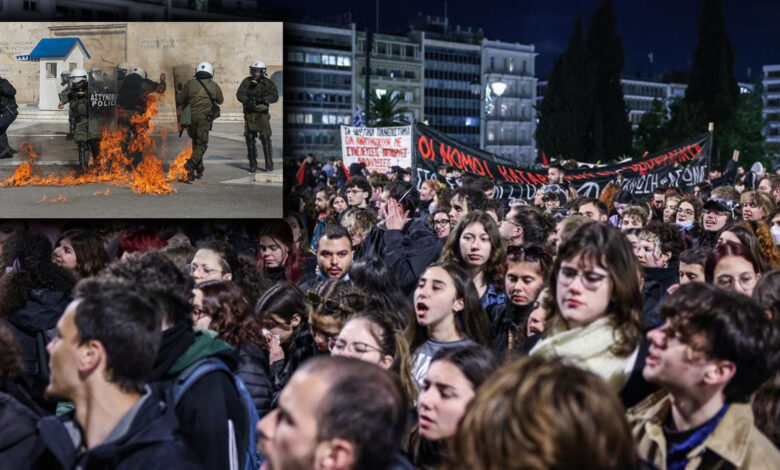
{"points": [[770, 184], [593, 209], [103, 353], [217, 430], [407, 244], [336, 413], [715, 348], [334, 253], [692, 265], [358, 192], [464, 200], [322, 204]]}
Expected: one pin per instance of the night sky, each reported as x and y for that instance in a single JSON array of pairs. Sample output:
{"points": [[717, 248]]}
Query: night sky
{"points": [[667, 28]]}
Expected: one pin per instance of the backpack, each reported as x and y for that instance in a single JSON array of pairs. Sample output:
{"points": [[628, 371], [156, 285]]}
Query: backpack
{"points": [[193, 373]]}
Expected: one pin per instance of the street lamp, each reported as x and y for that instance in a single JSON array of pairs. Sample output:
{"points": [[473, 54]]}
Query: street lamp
{"points": [[490, 93]]}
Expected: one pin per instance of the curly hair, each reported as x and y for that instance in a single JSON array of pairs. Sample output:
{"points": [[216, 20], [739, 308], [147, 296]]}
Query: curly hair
{"points": [[31, 253], [494, 266], [755, 234], [231, 315], [607, 196], [667, 236], [544, 409], [158, 275]]}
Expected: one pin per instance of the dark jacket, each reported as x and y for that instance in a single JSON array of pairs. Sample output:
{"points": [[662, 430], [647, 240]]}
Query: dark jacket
{"points": [[255, 372], [406, 252], [33, 325], [637, 388], [508, 320], [17, 432], [7, 95], [203, 417], [299, 348], [145, 438], [657, 283]]}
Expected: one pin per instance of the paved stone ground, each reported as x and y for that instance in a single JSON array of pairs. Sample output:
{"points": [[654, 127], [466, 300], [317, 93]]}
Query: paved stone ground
{"points": [[227, 190]]}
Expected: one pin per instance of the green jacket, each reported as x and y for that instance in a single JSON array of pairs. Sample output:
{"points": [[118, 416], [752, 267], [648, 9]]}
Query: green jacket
{"points": [[79, 103], [194, 95], [206, 344], [734, 444], [262, 94]]}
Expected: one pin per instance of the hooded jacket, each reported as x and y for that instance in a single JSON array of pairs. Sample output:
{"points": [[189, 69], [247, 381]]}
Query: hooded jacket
{"points": [[145, 438], [204, 419]]}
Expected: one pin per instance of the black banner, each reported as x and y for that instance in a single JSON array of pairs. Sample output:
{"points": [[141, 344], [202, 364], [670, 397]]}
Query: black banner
{"points": [[682, 166]]}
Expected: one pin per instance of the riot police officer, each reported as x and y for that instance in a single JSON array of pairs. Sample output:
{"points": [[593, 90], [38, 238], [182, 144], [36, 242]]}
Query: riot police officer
{"points": [[78, 98], [8, 113], [202, 95], [131, 101], [256, 92], [122, 71], [63, 95]]}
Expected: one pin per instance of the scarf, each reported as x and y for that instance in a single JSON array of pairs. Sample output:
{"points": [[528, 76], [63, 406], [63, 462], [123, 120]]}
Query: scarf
{"points": [[588, 347], [175, 342]]}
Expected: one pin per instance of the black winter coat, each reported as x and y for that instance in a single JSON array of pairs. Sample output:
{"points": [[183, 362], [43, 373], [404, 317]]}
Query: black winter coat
{"points": [[299, 348], [29, 325], [507, 318], [255, 372], [406, 252], [657, 283], [151, 442], [17, 433]]}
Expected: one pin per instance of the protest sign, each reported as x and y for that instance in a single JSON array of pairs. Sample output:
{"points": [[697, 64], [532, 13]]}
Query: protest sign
{"points": [[379, 148], [682, 166]]}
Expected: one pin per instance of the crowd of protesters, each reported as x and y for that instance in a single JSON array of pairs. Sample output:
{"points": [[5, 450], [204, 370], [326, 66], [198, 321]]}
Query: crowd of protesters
{"points": [[388, 324]]}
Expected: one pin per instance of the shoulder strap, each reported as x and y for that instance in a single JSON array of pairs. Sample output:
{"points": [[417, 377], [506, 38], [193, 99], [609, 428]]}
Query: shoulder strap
{"points": [[207, 92], [193, 373]]}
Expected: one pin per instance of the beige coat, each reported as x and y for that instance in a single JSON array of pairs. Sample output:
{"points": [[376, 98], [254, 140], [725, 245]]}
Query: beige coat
{"points": [[734, 444]]}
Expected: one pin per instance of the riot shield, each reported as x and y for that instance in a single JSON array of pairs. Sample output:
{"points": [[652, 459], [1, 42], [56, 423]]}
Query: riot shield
{"points": [[102, 100]]}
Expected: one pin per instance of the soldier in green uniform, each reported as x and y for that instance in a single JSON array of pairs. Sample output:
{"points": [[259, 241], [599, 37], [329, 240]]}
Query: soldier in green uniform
{"points": [[256, 92], [132, 101], [202, 95], [78, 98]]}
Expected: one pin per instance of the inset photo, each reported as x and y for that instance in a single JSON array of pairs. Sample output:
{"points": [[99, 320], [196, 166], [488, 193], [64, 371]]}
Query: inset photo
{"points": [[152, 120]]}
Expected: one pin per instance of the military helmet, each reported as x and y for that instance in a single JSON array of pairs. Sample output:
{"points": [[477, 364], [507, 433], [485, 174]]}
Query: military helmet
{"points": [[78, 75], [65, 74], [205, 67], [139, 71], [257, 68], [124, 67], [258, 64]]}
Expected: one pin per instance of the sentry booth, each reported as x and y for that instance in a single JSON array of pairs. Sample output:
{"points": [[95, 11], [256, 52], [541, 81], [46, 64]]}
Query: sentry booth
{"points": [[55, 56]]}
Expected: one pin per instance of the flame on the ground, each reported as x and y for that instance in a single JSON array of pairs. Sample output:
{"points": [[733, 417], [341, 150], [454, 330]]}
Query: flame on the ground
{"points": [[112, 166]]}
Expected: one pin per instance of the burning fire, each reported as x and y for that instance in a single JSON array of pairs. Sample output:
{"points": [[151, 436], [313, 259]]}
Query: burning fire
{"points": [[112, 166]]}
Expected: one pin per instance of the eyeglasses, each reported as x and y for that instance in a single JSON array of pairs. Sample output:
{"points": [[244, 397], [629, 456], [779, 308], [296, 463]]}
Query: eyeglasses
{"points": [[686, 211], [338, 346], [193, 268], [198, 313], [316, 300], [591, 280], [441, 223]]}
